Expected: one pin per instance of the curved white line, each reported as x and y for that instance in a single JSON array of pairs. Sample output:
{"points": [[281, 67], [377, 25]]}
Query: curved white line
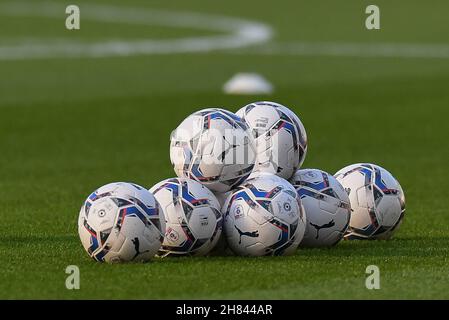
{"points": [[238, 33]]}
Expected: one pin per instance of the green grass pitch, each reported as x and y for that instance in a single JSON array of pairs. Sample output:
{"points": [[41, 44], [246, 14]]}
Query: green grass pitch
{"points": [[68, 126]]}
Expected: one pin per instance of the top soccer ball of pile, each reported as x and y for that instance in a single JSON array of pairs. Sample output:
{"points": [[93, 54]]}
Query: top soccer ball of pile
{"points": [[280, 138], [214, 147]]}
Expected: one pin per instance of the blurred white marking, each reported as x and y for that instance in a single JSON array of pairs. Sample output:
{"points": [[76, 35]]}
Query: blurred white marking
{"points": [[237, 33], [248, 84]]}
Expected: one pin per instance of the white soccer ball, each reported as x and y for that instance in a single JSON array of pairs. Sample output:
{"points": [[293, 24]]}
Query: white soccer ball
{"points": [[213, 147], [194, 219], [264, 217], [280, 137], [121, 222], [377, 201], [326, 205]]}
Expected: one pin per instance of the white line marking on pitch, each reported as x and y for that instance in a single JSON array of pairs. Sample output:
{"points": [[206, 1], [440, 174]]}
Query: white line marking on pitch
{"points": [[242, 36], [237, 32]]}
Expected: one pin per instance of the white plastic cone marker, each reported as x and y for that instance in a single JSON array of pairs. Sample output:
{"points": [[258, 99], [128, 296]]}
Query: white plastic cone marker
{"points": [[248, 84]]}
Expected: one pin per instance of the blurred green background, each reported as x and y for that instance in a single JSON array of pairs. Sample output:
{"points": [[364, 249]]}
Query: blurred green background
{"points": [[70, 124]]}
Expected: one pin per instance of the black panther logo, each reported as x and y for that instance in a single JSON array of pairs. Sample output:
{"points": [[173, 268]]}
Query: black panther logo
{"points": [[324, 226], [253, 234], [137, 247], [225, 152]]}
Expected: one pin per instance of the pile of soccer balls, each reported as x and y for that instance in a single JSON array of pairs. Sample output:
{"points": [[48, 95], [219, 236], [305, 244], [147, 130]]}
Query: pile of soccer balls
{"points": [[239, 190]]}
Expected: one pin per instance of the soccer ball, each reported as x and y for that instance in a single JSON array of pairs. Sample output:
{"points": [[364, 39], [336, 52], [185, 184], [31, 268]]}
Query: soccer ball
{"points": [[194, 219], [213, 147], [280, 137], [377, 201], [326, 205], [264, 217], [121, 222]]}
